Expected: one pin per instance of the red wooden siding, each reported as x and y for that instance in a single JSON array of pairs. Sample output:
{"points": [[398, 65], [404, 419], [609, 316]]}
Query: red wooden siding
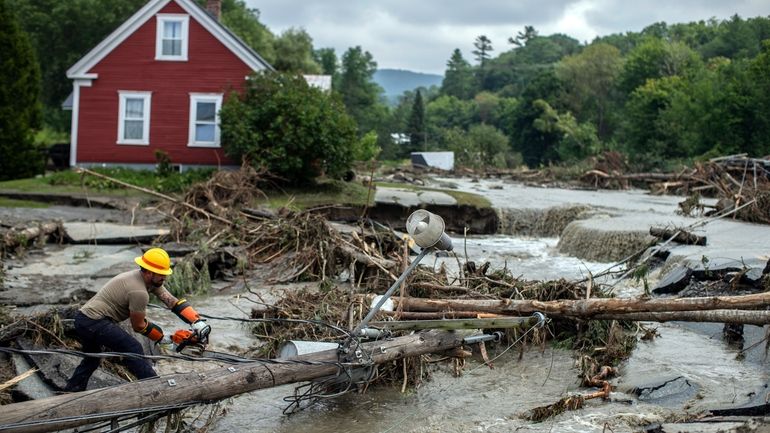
{"points": [[210, 68]]}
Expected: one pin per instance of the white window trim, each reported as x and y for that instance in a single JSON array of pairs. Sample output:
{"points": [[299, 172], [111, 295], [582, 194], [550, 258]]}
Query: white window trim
{"points": [[161, 20], [146, 96], [204, 97]]}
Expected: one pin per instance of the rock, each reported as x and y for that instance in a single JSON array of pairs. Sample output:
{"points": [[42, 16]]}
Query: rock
{"points": [[32, 387], [674, 281], [668, 393], [56, 369]]}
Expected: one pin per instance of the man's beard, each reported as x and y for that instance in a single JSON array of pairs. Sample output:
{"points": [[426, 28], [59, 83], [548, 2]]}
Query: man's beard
{"points": [[156, 284]]}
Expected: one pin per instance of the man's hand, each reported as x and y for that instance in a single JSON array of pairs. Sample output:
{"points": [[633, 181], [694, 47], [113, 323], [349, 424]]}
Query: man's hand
{"points": [[202, 330]]}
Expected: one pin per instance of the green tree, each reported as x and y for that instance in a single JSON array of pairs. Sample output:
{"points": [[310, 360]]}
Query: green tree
{"points": [[523, 37], [458, 77], [296, 53], [577, 140], [590, 81], [327, 58], [491, 143], [244, 22], [62, 32], [19, 100], [483, 48], [655, 58], [536, 146], [648, 140], [360, 93], [294, 130], [418, 138]]}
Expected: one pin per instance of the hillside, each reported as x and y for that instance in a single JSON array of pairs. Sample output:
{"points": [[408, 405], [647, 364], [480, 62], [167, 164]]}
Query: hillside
{"points": [[397, 81]]}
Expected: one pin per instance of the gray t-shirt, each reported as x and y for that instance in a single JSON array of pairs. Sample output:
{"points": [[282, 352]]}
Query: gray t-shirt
{"points": [[124, 293]]}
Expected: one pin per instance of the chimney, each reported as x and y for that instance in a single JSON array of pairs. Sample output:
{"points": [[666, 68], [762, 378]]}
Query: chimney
{"points": [[214, 7]]}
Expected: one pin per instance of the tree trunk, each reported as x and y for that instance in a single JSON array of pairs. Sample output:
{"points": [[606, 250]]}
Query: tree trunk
{"points": [[72, 410], [751, 317], [586, 308]]}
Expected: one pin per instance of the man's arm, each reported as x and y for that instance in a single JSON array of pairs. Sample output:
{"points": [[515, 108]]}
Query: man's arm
{"points": [[140, 324], [138, 321], [167, 298]]}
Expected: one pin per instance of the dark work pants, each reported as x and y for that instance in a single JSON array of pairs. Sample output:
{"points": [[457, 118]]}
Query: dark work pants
{"points": [[96, 334]]}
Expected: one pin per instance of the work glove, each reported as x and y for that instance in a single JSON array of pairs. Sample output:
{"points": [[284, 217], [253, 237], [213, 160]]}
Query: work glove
{"points": [[202, 330]]}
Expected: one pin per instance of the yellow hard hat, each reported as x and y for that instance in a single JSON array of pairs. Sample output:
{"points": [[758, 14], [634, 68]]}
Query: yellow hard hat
{"points": [[155, 260]]}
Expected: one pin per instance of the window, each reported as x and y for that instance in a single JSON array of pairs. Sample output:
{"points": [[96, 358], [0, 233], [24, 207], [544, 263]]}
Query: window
{"points": [[204, 119], [171, 40], [134, 118]]}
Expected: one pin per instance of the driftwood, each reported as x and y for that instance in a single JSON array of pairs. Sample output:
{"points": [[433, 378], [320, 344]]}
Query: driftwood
{"points": [[15, 238], [680, 236], [666, 309], [745, 317], [174, 390], [159, 195]]}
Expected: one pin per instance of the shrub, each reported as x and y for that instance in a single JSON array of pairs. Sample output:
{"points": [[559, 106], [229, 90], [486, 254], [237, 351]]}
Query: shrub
{"points": [[296, 131]]}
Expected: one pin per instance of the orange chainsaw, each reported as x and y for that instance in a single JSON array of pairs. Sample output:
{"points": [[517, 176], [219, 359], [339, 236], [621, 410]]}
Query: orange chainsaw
{"points": [[188, 338]]}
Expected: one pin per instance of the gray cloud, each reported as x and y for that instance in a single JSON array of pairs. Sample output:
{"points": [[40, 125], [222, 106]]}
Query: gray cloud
{"points": [[420, 35]]}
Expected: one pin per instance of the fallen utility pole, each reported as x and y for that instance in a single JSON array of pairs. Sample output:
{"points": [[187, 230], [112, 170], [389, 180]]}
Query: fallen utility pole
{"points": [[176, 390], [493, 323], [585, 308]]}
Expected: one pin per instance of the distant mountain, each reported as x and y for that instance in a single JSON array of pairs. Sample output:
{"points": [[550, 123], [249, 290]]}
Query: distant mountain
{"points": [[397, 81]]}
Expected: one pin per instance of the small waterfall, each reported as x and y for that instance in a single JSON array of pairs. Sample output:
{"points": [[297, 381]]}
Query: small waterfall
{"points": [[589, 240], [548, 222]]}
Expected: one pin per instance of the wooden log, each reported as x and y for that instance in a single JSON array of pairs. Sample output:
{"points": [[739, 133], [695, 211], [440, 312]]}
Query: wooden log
{"points": [[744, 317], [681, 236], [586, 307], [14, 238], [72, 410]]}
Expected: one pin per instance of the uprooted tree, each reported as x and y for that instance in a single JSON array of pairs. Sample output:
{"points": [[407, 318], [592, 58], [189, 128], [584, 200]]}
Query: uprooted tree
{"points": [[292, 129]]}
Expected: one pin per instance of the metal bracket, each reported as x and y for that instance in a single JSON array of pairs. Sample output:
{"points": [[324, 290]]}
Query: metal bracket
{"points": [[171, 382]]}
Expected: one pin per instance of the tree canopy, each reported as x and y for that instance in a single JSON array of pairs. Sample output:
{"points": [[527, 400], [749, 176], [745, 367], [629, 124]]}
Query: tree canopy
{"points": [[19, 100]]}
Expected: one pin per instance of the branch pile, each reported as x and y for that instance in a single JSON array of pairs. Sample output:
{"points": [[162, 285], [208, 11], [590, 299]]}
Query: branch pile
{"points": [[735, 180]]}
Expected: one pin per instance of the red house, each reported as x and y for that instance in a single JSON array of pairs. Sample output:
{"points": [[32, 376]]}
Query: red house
{"points": [[158, 82]]}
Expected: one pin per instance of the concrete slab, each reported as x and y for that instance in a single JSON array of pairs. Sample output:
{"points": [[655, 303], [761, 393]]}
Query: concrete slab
{"points": [[108, 233], [82, 260], [407, 198], [32, 387]]}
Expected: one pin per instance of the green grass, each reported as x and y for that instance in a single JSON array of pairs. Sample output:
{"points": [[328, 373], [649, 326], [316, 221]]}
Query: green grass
{"points": [[70, 182], [322, 194], [9, 202], [463, 198]]}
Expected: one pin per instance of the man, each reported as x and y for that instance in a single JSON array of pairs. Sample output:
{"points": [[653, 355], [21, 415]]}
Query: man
{"points": [[126, 297]]}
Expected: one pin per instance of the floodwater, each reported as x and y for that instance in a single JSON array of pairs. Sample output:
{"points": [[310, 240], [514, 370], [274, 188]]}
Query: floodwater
{"points": [[702, 371]]}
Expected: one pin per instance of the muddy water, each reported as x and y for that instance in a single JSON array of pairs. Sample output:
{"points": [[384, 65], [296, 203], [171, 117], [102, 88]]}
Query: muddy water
{"points": [[707, 371]]}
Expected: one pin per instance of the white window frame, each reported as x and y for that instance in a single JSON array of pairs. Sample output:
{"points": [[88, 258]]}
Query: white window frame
{"points": [[147, 98], [216, 98], [162, 19]]}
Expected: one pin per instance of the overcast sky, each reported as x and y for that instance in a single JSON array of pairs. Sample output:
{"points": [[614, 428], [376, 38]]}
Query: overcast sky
{"points": [[420, 35]]}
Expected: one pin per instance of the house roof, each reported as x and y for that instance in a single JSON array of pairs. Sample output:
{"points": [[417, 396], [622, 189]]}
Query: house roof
{"points": [[250, 57]]}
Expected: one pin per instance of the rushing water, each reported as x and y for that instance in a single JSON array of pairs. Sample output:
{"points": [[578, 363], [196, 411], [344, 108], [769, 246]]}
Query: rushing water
{"points": [[706, 370]]}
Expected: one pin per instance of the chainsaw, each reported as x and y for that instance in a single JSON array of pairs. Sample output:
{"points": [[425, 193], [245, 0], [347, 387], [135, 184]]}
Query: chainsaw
{"points": [[189, 339]]}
